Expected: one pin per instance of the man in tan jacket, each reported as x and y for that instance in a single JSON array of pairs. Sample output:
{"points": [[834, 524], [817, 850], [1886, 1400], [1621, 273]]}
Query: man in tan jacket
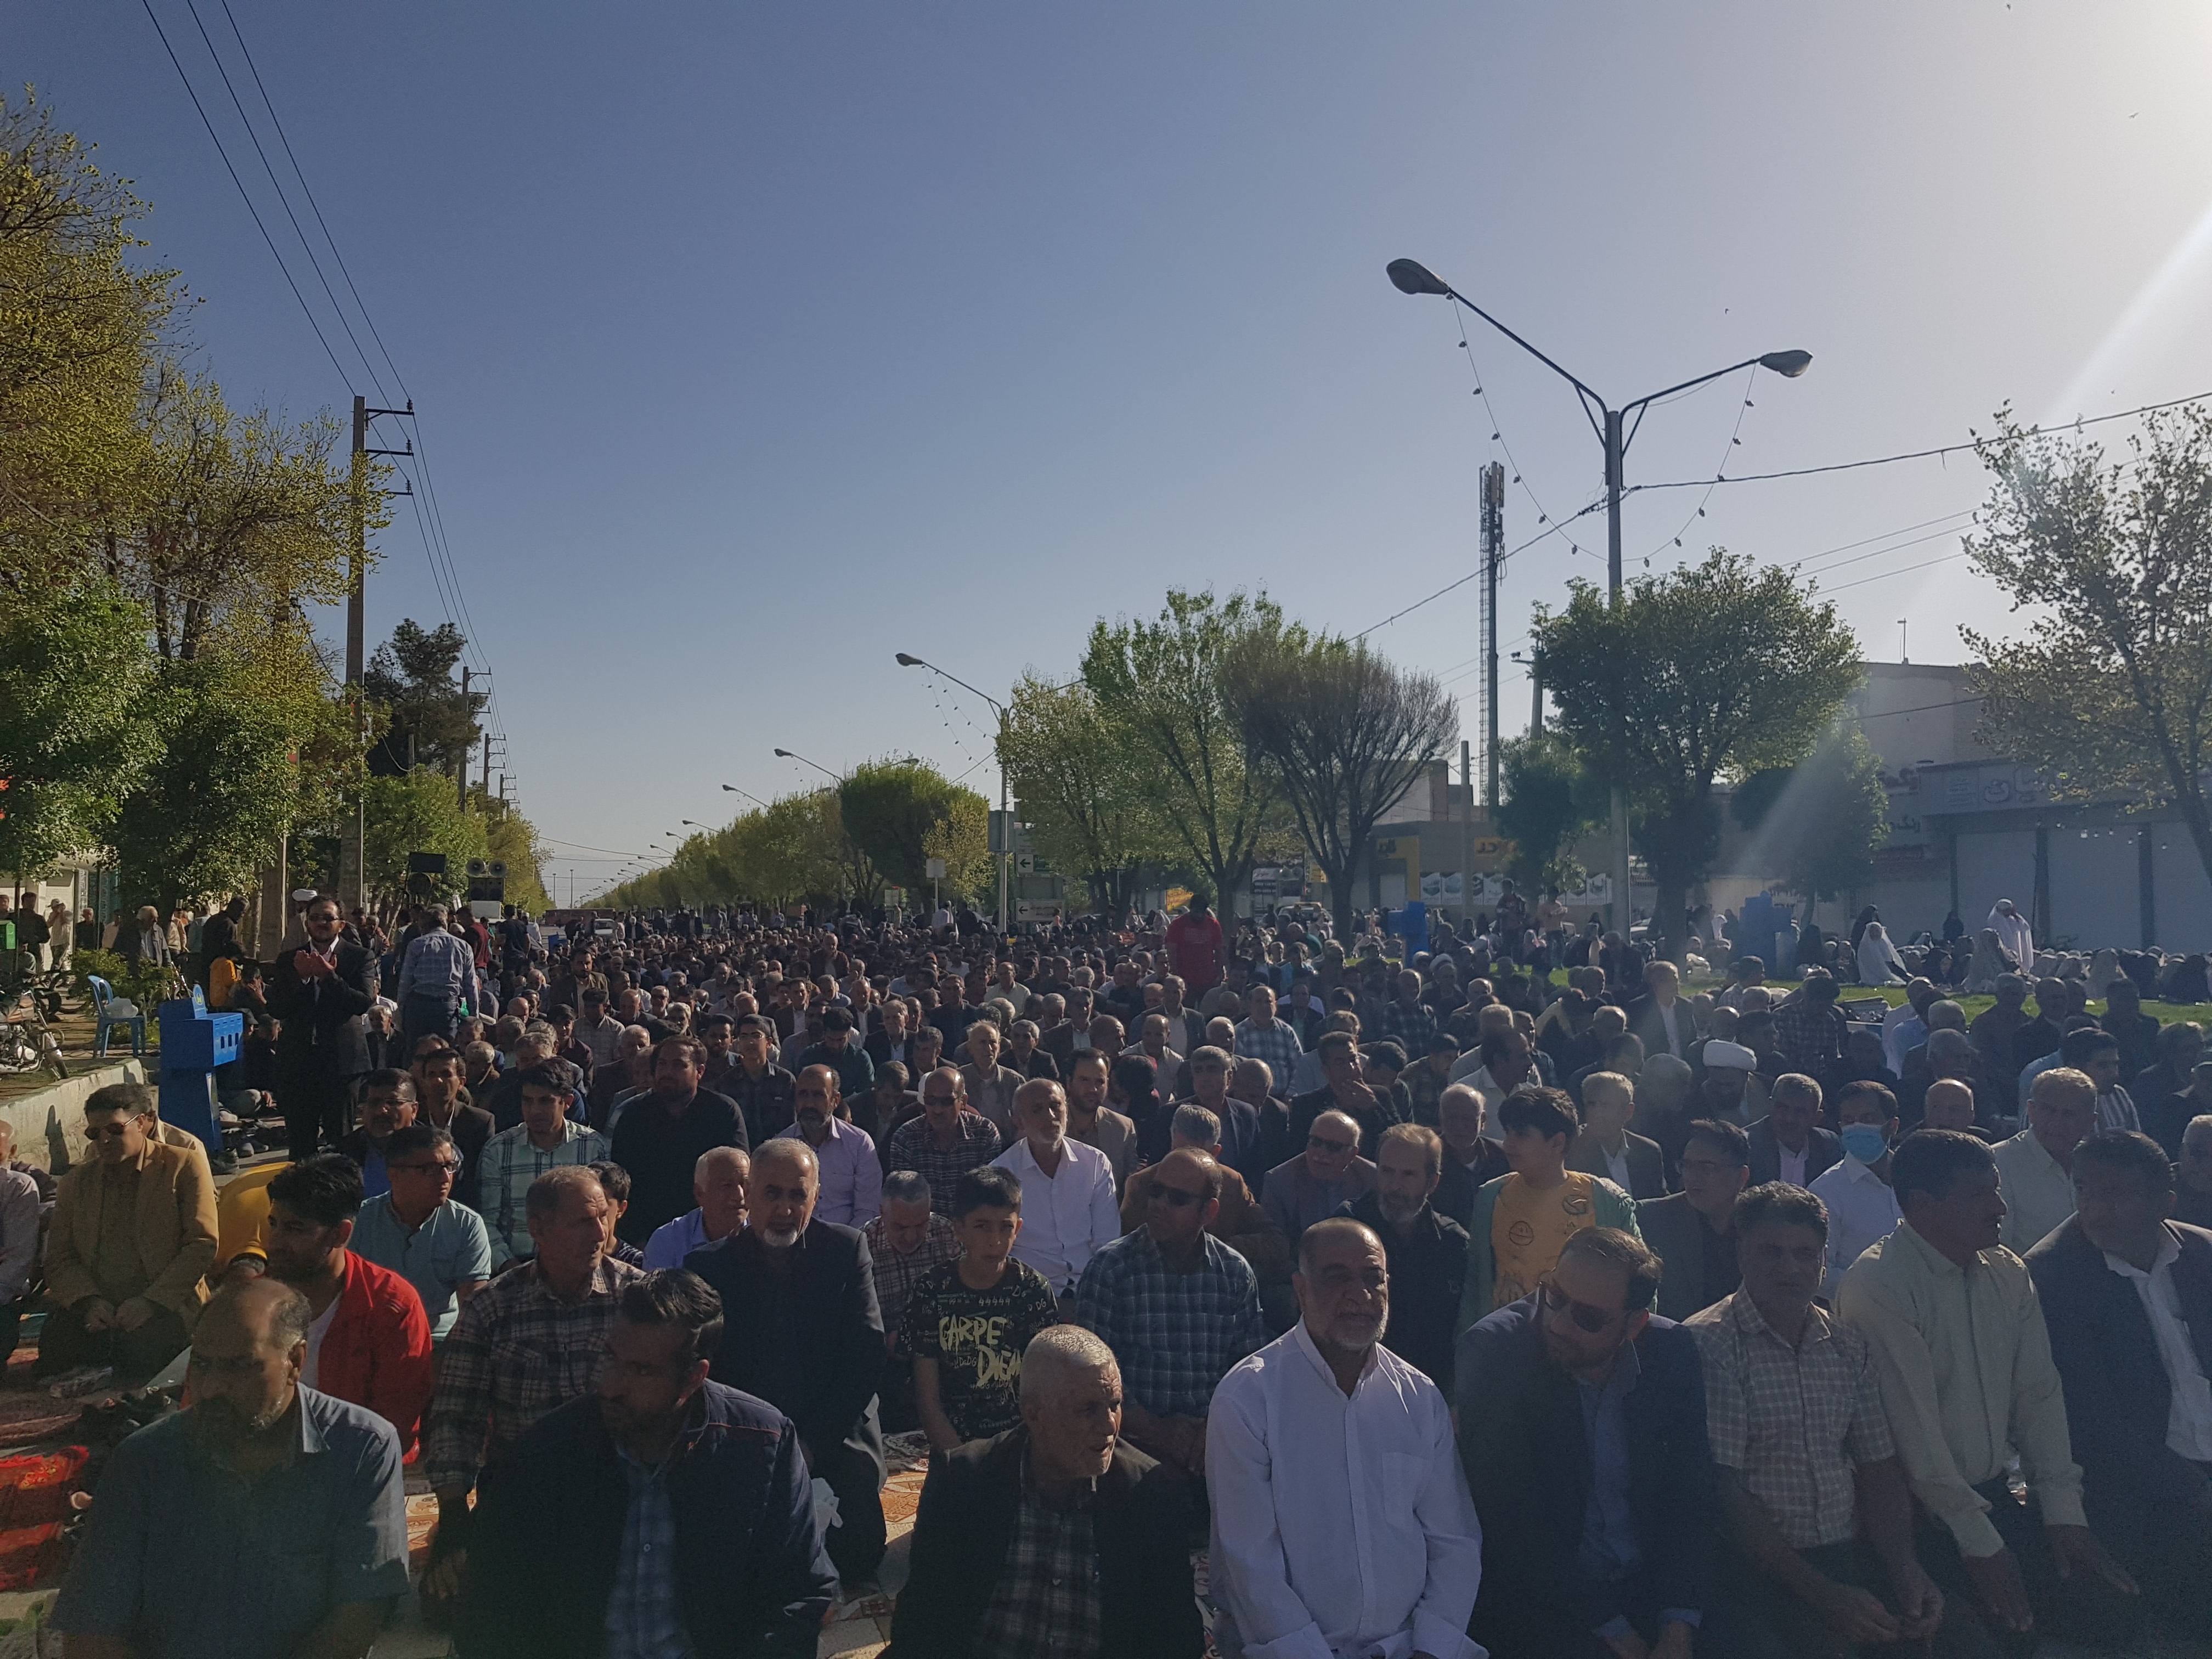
{"points": [[132, 1240]]}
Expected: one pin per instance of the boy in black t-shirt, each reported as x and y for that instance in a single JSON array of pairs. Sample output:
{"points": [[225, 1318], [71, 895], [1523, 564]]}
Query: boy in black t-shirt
{"points": [[968, 1320]]}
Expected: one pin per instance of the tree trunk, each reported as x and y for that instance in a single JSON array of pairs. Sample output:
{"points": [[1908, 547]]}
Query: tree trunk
{"points": [[1667, 912]]}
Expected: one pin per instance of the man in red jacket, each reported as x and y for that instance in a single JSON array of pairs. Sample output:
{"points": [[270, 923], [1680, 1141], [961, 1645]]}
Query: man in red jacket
{"points": [[1195, 946], [370, 1340]]}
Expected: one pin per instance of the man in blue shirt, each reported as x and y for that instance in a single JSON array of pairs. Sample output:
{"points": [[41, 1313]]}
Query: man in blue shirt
{"points": [[436, 971], [265, 1520], [441, 1247]]}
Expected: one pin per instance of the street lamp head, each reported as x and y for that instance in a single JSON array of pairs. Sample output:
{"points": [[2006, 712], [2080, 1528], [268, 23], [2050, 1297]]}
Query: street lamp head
{"points": [[729, 788], [905, 661], [785, 754], [1411, 276], [1788, 364]]}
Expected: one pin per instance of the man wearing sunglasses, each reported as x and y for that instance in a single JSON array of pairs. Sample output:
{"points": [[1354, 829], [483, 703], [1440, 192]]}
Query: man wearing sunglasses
{"points": [[1581, 1428], [1321, 1180], [416, 1230], [132, 1239]]}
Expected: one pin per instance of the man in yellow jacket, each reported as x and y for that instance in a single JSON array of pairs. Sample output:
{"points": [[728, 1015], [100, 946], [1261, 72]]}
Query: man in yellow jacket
{"points": [[132, 1240]]}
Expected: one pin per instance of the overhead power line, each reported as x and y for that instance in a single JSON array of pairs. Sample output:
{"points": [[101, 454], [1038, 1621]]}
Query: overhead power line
{"points": [[306, 309], [1918, 454]]}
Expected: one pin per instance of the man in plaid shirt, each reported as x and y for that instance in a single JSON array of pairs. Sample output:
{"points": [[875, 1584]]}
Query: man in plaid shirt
{"points": [[947, 1140], [529, 1341], [1263, 1037], [546, 1139], [1177, 1305], [1404, 1019], [1802, 1447], [1809, 1028]]}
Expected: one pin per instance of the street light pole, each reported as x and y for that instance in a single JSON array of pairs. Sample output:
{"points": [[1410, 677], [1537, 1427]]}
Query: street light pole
{"points": [[1616, 432], [1005, 807]]}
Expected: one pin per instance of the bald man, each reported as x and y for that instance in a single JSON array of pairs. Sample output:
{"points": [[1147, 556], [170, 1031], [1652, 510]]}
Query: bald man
{"points": [[262, 1520], [718, 1181], [805, 1334]]}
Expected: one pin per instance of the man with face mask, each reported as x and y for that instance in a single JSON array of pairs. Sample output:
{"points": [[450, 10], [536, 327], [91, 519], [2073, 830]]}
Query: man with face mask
{"points": [[265, 1520], [1860, 1206], [661, 1513]]}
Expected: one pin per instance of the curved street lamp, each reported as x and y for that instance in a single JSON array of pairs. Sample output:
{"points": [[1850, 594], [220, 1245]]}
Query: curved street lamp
{"points": [[906, 659], [793, 754], [1616, 432]]}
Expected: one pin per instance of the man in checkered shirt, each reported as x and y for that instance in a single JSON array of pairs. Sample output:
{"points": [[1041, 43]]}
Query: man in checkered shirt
{"points": [[1404, 1019], [1177, 1305], [528, 1342], [1263, 1037], [1802, 1448]]}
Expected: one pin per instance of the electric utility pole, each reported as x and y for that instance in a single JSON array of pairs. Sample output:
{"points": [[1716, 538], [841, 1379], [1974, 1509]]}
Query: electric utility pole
{"points": [[463, 761], [1493, 552], [352, 856]]}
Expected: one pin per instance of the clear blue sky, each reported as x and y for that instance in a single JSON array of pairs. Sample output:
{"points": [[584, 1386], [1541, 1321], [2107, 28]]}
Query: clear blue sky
{"points": [[754, 345]]}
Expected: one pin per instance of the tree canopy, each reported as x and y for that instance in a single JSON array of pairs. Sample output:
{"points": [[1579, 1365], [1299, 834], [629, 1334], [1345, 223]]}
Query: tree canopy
{"points": [[1158, 690], [1715, 669], [2111, 690], [1344, 732]]}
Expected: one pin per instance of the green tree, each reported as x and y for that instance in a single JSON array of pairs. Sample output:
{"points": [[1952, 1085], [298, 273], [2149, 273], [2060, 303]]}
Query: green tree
{"points": [[239, 516], [1344, 732], [902, 813], [79, 324], [1713, 670], [73, 664], [418, 812], [1159, 687], [1081, 790], [2111, 690], [512, 839], [224, 785], [1551, 802], [433, 722], [1819, 822]]}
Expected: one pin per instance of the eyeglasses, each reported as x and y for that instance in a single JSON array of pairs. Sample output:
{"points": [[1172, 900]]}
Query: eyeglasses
{"points": [[939, 1100], [441, 1166], [1174, 1197], [1323, 1144], [106, 1131], [1586, 1317]]}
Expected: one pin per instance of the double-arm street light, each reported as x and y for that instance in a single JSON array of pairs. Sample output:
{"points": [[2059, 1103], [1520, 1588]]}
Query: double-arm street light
{"points": [[1006, 814], [1616, 431]]}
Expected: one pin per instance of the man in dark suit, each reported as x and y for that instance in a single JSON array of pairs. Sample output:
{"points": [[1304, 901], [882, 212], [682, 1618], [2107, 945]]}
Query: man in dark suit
{"points": [[1660, 1017], [804, 1334], [2127, 1296], [1694, 1231], [1581, 1428], [318, 993], [1789, 1143], [1068, 1441], [1633, 1162]]}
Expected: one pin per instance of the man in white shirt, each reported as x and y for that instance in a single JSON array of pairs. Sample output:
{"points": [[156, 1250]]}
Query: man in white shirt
{"points": [[1341, 1521], [2034, 1167], [1068, 1207], [1861, 1208]]}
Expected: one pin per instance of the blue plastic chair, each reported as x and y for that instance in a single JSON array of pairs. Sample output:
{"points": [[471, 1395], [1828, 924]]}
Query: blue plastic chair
{"points": [[103, 1001]]}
